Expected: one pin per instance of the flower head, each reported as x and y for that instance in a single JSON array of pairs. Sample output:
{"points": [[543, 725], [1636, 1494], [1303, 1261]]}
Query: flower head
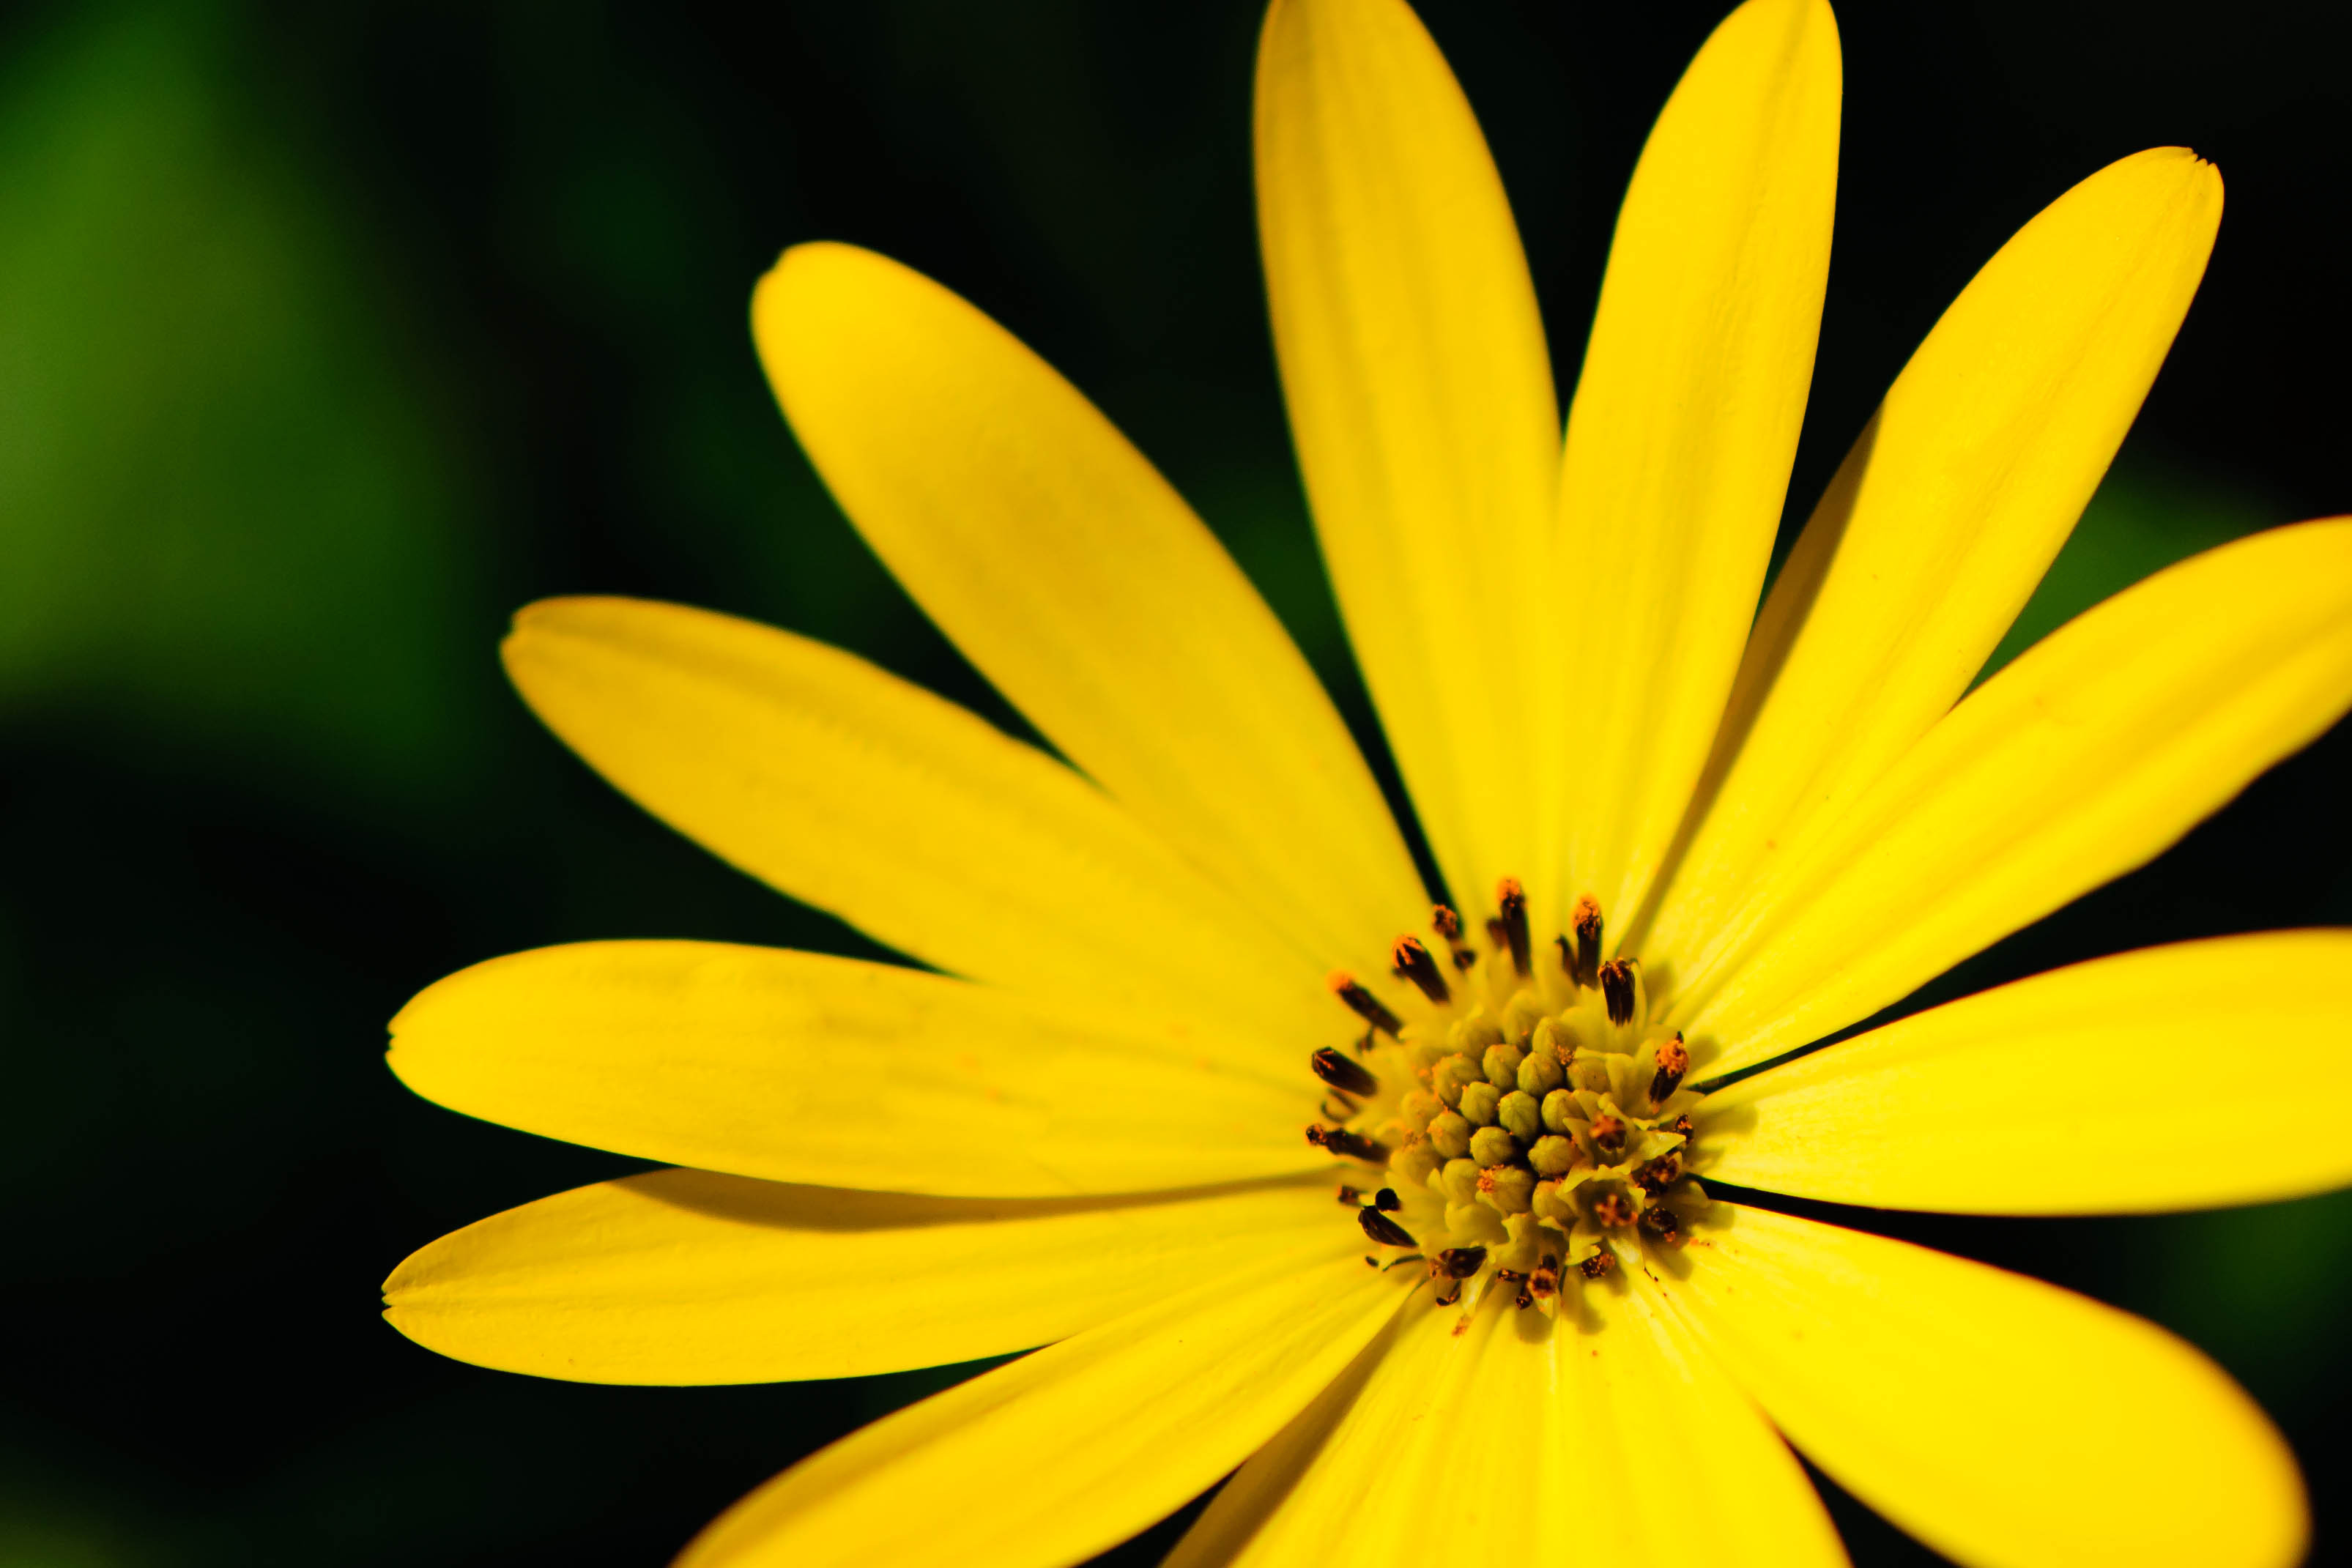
{"points": [[1678, 848]]}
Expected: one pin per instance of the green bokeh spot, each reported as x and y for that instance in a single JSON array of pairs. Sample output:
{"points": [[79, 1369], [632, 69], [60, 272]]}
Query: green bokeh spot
{"points": [[225, 514], [2142, 520]]}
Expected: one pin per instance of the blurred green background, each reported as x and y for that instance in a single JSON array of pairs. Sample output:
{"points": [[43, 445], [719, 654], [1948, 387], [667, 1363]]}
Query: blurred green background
{"points": [[330, 335]]}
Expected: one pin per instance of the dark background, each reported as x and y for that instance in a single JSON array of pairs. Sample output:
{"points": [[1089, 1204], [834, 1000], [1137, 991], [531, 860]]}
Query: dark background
{"points": [[330, 335]]}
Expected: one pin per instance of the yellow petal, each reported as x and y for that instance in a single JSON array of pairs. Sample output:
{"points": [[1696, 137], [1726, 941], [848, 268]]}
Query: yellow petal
{"points": [[1227, 1529], [1069, 572], [1420, 400], [1707, 1478], [2006, 1423], [918, 823], [798, 1067], [1945, 514], [682, 1275], [1685, 423], [2088, 755], [1432, 1451], [1063, 1453], [2062, 1094], [1614, 1434]]}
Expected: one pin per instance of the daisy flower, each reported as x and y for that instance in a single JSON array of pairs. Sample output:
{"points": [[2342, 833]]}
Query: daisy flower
{"points": [[1496, 1297]]}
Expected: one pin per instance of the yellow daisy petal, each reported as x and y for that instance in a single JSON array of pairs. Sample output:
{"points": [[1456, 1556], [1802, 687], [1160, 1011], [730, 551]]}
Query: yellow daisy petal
{"points": [[2006, 1423], [687, 1276], [909, 817], [1420, 400], [1945, 514], [1419, 1461], [798, 1067], [2062, 1093], [1707, 1478], [1063, 1453], [1263, 1485], [2088, 755], [1685, 425], [1508, 1431], [1069, 572]]}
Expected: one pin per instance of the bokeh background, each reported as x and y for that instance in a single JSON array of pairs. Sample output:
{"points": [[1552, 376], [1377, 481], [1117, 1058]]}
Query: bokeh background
{"points": [[329, 335]]}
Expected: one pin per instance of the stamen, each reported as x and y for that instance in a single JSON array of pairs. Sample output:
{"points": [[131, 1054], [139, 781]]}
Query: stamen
{"points": [[1350, 1196], [1544, 1284], [1363, 1003], [1601, 1263], [1387, 1201], [1513, 898], [1608, 1133], [1384, 1229], [1655, 1175], [1513, 1277], [1662, 1223], [1674, 1060], [1448, 926], [1346, 1144], [1457, 1263], [1413, 962], [1617, 991], [1347, 1077], [1613, 1209], [1586, 923]]}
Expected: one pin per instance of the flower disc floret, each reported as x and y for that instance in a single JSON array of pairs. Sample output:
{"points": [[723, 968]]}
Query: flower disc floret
{"points": [[1530, 1126]]}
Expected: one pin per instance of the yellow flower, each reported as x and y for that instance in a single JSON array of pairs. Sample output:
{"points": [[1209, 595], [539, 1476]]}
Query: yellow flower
{"points": [[1682, 850]]}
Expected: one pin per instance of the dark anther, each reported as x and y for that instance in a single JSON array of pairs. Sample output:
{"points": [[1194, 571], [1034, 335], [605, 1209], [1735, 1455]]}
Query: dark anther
{"points": [[1363, 1003], [1384, 1229], [1513, 1277], [1655, 1175], [1411, 962], [1617, 989], [1350, 1196], [1683, 1126], [1586, 923], [1613, 1209], [1661, 1223], [1608, 1133], [1674, 1060], [1513, 898], [1346, 1144], [1346, 1076], [1544, 1284], [1448, 926], [1600, 1263], [1450, 1297], [1457, 1263], [1387, 1201]]}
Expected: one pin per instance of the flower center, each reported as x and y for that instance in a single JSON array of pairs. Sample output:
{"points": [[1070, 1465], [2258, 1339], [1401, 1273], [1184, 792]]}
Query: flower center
{"points": [[1528, 1128]]}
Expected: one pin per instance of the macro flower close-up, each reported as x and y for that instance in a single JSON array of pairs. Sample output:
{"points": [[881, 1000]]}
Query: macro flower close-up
{"points": [[1483, 1164]]}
